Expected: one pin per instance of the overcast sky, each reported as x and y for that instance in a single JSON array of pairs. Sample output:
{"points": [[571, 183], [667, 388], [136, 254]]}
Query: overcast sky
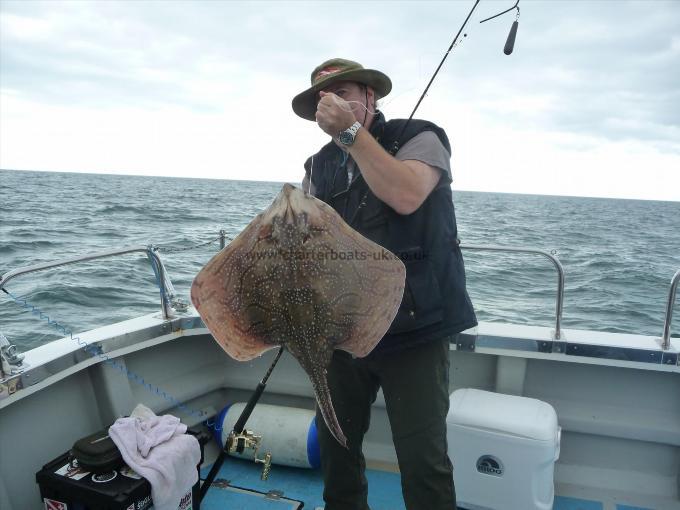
{"points": [[588, 104]]}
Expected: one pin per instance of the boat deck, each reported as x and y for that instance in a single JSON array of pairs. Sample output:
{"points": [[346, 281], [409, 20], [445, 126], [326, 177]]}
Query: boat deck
{"points": [[306, 486]]}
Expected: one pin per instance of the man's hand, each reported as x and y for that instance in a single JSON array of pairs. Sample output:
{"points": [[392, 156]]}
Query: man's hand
{"points": [[333, 114]]}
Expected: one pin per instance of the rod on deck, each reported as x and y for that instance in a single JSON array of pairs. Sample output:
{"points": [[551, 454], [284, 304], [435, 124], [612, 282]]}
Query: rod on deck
{"points": [[239, 426]]}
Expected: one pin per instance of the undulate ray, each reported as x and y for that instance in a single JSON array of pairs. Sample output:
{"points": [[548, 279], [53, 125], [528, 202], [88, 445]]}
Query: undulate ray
{"points": [[299, 276]]}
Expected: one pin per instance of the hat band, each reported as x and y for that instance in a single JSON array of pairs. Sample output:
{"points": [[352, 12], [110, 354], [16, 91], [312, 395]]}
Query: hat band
{"points": [[325, 72]]}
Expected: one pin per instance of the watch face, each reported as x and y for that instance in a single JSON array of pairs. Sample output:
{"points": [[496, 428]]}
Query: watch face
{"points": [[346, 138]]}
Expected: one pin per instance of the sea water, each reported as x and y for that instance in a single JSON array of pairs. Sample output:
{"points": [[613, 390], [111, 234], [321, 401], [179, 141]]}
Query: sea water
{"points": [[619, 255]]}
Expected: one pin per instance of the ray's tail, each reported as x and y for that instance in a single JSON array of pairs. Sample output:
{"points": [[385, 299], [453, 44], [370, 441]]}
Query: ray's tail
{"points": [[323, 398], [314, 358]]}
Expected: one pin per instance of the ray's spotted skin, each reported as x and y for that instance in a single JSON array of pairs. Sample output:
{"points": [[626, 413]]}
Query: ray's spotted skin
{"points": [[299, 276]]}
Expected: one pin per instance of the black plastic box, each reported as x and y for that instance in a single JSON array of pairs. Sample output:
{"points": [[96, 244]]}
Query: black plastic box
{"points": [[63, 486]]}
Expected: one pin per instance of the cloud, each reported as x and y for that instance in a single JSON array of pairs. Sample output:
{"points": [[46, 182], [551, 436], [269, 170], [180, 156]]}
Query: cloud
{"points": [[161, 87]]}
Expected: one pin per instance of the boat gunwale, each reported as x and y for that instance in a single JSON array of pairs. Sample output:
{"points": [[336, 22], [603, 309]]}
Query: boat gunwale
{"points": [[51, 362]]}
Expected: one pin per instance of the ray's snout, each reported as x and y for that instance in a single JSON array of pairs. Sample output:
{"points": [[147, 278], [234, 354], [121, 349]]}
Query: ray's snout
{"points": [[290, 204], [292, 196], [287, 196], [288, 189]]}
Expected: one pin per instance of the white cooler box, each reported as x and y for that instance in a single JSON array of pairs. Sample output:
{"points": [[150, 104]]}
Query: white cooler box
{"points": [[503, 450]]}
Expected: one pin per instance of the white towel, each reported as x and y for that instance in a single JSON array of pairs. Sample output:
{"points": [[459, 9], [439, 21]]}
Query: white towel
{"points": [[158, 448]]}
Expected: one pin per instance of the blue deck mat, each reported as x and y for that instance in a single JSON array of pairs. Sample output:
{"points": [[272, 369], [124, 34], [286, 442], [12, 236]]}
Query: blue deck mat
{"points": [[565, 503], [306, 485], [234, 499]]}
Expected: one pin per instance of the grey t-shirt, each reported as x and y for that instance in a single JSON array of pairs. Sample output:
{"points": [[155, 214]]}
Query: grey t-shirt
{"points": [[424, 147], [427, 148]]}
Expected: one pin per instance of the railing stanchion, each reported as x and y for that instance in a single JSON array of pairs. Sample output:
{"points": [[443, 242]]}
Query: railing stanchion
{"points": [[165, 305], [556, 263], [666, 337]]}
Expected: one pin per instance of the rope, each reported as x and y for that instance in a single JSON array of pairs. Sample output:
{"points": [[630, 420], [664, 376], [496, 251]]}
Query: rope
{"points": [[96, 351]]}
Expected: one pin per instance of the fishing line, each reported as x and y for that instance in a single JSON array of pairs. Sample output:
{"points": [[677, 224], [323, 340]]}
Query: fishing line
{"points": [[311, 172], [509, 45], [508, 49], [340, 102], [341, 105], [395, 146]]}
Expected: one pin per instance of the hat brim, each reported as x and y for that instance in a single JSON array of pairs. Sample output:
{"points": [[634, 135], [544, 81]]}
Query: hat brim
{"points": [[304, 104]]}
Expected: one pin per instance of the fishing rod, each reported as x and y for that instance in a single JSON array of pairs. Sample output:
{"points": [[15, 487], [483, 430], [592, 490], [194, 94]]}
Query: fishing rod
{"points": [[509, 45], [239, 426]]}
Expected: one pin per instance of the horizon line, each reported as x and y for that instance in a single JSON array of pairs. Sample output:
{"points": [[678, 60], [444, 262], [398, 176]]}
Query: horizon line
{"points": [[296, 183]]}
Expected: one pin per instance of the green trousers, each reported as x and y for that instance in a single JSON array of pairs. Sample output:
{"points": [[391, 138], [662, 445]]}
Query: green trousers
{"points": [[415, 385]]}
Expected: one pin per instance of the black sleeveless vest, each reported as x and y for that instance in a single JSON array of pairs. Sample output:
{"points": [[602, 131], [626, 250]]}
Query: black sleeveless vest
{"points": [[435, 302]]}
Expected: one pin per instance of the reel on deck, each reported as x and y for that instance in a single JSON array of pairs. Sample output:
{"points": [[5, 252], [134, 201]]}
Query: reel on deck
{"points": [[247, 440]]}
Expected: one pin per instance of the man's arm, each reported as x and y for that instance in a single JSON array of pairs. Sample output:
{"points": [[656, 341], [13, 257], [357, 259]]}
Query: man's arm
{"points": [[403, 185]]}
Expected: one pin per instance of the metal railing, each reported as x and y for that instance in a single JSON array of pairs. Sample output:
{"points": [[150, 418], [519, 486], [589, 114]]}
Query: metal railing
{"points": [[553, 259], [666, 337], [166, 309], [165, 305]]}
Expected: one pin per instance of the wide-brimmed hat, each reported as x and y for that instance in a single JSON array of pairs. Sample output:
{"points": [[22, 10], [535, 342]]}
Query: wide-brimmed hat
{"points": [[335, 70]]}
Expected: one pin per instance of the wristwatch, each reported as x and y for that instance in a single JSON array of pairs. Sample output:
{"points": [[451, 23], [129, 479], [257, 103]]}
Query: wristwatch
{"points": [[347, 136]]}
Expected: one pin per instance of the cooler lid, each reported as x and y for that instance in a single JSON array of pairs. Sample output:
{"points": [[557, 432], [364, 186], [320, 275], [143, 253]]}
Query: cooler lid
{"points": [[503, 414]]}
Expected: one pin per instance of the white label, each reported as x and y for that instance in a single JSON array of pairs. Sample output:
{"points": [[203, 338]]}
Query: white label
{"points": [[144, 503], [186, 503], [72, 471]]}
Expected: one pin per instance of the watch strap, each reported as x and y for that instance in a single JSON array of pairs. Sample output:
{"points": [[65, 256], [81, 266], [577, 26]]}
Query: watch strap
{"points": [[354, 128], [348, 135]]}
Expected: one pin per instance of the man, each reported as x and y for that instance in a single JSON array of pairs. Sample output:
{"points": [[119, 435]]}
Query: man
{"points": [[390, 180]]}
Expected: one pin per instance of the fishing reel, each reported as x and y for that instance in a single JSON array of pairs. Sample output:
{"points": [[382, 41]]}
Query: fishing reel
{"points": [[238, 443]]}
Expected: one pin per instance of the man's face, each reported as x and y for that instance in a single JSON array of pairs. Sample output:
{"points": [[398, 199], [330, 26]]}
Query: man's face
{"points": [[352, 91]]}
